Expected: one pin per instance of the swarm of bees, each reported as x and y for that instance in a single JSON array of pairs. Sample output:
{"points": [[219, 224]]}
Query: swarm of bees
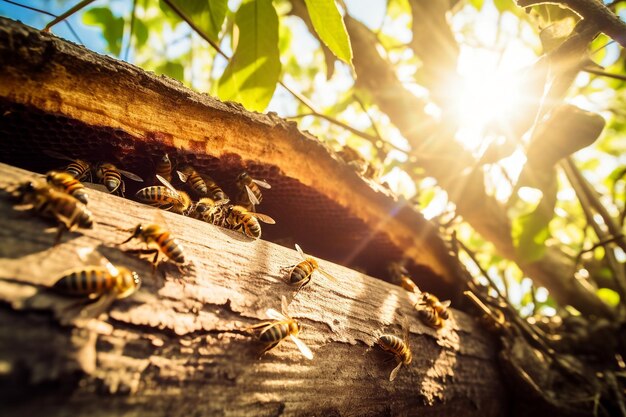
{"points": [[63, 198]]}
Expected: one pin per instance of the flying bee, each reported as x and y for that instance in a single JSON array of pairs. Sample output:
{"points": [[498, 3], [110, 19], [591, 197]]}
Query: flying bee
{"points": [[50, 203], [272, 332], [161, 241], [103, 283], [247, 222], [250, 193], [77, 168], [398, 347], [164, 167], [165, 197], [66, 182], [111, 177], [301, 273], [439, 307], [190, 176]]}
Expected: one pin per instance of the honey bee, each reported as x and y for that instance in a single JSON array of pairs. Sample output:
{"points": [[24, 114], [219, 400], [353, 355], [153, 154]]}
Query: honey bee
{"points": [[164, 167], [272, 332], [77, 168], [430, 318], [398, 347], [190, 176], [399, 274], [250, 193], [210, 211], [247, 222], [161, 241], [166, 197], [50, 203], [66, 182], [301, 273], [104, 283], [439, 307], [215, 191], [111, 177]]}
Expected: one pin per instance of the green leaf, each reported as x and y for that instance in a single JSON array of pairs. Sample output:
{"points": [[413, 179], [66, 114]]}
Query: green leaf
{"points": [[171, 69], [140, 31], [530, 231], [608, 296], [208, 15], [329, 25], [253, 71], [112, 27]]}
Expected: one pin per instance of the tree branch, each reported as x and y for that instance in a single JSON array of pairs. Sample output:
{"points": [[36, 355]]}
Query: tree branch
{"points": [[593, 11]]}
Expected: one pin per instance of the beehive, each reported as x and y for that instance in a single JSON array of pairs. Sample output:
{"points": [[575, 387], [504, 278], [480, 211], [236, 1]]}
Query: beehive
{"points": [[58, 96]]}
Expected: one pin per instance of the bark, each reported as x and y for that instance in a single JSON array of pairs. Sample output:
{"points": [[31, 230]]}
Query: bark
{"points": [[61, 97], [177, 347], [446, 160]]}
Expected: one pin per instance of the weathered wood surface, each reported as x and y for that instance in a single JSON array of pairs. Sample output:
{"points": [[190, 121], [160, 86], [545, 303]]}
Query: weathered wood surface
{"points": [[177, 348], [55, 95]]}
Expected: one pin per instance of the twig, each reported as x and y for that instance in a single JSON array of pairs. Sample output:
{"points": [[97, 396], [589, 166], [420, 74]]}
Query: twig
{"points": [[132, 26], [379, 150], [588, 203], [605, 74], [34, 9], [67, 14], [594, 247]]}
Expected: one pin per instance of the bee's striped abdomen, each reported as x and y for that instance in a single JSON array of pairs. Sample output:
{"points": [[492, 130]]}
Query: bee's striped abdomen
{"points": [[275, 332]]}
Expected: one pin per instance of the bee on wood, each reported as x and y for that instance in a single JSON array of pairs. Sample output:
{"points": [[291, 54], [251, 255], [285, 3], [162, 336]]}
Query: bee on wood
{"points": [[111, 177], [50, 203], [272, 332], [77, 168], [247, 222], [165, 197], [164, 167], [210, 211], [66, 182], [103, 283], [161, 241], [190, 176], [439, 307], [250, 191], [398, 347], [301, 273], [214, 190], [400, 275]]}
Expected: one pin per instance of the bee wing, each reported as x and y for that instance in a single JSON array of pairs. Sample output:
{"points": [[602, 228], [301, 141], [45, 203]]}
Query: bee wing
{"points": [[130, 175], [252, 197], [264, 218], [406, 328], [183, 177], [275, 315], [394, 373], [446, 303], [299, 249], [304, 349], [261, 183], [327, 275], [167, 184], [57, 155], [98, 307]]}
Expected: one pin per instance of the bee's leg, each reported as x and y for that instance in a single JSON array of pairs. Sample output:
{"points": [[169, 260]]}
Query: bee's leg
{"points": [[61, 229], [121, 188]]}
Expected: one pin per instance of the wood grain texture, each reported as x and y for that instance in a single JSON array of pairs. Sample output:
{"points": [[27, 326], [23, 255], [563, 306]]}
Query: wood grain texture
{"points": [[177, 347], [60, 96]]}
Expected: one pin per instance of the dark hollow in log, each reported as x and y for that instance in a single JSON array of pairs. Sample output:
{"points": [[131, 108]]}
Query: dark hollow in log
{"points": [[57, 96], [177, 347]]}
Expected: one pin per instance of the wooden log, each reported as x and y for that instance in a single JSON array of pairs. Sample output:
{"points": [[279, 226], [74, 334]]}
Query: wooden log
{"points": [[177, 347], [58, 96]]}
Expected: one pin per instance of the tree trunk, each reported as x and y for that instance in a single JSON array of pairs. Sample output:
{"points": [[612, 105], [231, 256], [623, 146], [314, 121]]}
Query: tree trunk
{"points": [[178, 347]]}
